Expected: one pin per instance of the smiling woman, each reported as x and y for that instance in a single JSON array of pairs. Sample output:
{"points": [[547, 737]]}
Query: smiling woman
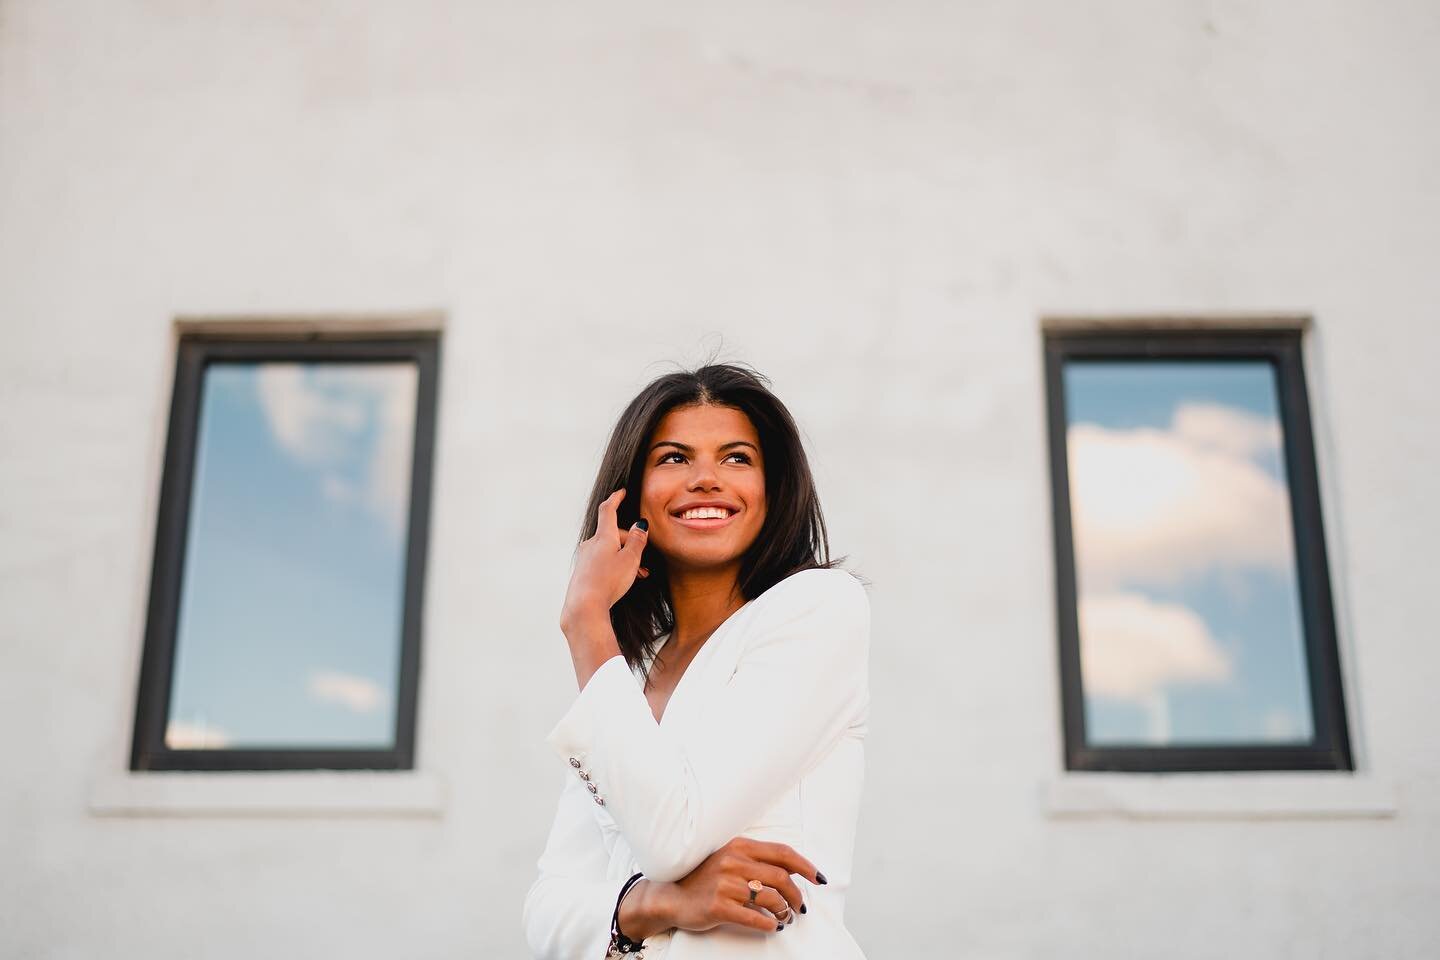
{"points": [[702, 604]]}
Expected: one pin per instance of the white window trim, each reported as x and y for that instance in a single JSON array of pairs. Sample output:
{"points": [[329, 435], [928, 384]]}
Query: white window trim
{"points": [[399, 323], [282, 793], [1303, 795]]}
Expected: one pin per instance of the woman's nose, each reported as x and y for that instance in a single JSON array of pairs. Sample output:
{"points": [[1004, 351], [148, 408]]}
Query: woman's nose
{"points": [[703, 475]]}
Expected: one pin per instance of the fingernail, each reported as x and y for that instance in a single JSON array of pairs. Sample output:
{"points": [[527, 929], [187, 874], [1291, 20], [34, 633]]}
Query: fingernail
{"points": [[779, 927], [802, 908], [643, 524], [820, 877]]}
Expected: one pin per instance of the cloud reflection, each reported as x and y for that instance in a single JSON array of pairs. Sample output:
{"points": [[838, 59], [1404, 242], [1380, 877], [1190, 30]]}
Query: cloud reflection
{"points": [[180, 735], [321, 414], [1158, 506], [1158, 510], [359, 694], [1134, 646]]}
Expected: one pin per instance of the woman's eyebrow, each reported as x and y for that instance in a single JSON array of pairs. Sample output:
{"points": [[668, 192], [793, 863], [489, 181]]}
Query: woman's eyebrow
{"points": [[686, 448]]}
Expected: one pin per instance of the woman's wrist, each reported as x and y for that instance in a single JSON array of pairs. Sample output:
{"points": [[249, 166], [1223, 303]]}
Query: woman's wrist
{"points": [[583, 618], [592, 640], [643, 912]]}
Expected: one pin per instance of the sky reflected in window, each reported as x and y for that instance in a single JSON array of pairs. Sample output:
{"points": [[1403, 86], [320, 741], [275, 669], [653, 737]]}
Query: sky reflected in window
{"points": [[1189, 613], [289, 627]]}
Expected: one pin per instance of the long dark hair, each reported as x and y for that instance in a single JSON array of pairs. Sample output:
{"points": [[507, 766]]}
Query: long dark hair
{"points": [[793, 536]]}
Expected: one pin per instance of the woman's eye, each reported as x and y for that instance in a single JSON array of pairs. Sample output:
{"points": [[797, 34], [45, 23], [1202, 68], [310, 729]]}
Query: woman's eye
{"points": [[665, 457]]}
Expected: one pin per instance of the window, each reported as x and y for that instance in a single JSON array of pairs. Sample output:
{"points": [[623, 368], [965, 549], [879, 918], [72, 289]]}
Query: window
{"points": [[284, 617], [1195, 621]]}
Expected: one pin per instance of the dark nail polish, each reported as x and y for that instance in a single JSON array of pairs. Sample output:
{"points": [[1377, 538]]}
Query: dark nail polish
{"points": [[820, 877], [802, 908], [779, 927], [643, 524]]}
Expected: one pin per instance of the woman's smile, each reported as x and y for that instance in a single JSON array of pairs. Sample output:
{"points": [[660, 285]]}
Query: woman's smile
{"points": [[705, 517]]}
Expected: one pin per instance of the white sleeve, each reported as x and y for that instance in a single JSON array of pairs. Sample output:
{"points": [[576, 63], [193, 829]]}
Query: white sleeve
{"points": [[568, 908], [800, 681]]}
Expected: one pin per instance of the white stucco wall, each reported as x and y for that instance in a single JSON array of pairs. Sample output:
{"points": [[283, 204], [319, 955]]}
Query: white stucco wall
{"points": [[874, 204]]}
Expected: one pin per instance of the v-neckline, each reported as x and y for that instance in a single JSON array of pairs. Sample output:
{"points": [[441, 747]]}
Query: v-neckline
{"points": [[666, 713]]}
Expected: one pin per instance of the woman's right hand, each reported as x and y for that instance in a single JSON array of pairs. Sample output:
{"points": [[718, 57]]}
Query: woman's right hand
{"points": [[607, 564], [717, 890]]}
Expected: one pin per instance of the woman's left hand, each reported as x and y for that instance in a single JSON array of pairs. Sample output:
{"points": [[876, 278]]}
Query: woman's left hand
{"points": [[606, 565]]}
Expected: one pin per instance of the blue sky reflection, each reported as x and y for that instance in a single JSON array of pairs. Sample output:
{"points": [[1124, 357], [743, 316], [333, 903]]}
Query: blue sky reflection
{"points": [[1190, 628], [292, 590]]}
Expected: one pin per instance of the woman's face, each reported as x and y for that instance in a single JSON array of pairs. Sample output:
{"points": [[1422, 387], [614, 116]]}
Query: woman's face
{"points": [[703, 455]]}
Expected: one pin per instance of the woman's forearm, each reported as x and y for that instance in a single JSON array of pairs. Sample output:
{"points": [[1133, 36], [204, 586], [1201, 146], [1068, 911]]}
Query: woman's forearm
{"points": [[645, 911], [592, 640]]}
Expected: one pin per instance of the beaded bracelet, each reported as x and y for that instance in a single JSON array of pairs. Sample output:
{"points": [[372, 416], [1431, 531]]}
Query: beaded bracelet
{"points": [[621, 945]]}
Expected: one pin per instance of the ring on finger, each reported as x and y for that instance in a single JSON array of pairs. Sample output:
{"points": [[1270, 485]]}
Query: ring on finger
{"points": [[755, 887]]}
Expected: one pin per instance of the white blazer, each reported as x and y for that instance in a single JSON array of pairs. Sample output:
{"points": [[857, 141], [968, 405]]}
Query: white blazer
{"points": [[762, 738]]}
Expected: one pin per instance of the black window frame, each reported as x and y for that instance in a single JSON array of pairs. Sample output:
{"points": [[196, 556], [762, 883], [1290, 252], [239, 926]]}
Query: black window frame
{"points": [[1329, 748], [194, 352]]}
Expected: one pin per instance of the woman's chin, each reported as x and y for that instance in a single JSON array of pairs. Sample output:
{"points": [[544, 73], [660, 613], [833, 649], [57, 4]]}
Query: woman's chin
{"points": [[699, 561]]}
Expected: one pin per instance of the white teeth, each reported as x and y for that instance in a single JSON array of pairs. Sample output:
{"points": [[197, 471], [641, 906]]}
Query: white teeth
{"points": [[705, 513]]}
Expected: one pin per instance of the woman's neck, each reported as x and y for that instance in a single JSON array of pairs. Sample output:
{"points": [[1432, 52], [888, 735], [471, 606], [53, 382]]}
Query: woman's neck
{"points": [[701, 601]]}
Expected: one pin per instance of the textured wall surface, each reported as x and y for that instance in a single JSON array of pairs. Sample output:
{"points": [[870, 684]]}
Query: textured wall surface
{"points": [[875, 204]]}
